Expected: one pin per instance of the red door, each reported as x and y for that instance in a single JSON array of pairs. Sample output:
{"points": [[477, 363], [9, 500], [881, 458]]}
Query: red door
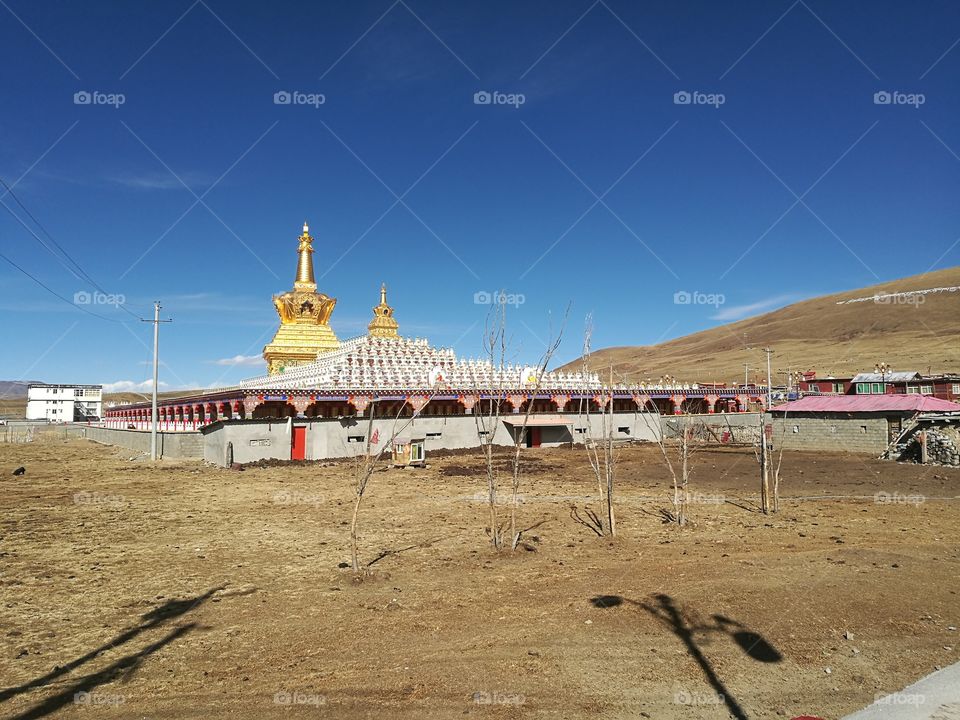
{"points": [[535, 437], [298, 448]]}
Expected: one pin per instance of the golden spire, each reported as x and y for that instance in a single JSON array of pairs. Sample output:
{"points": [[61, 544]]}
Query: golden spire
{"points": [[383, 324], [304, 330], [305, 279]]}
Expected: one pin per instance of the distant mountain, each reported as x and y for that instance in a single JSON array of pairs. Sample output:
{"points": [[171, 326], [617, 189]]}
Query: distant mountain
{"points": [[15, 389], [893, 322]]}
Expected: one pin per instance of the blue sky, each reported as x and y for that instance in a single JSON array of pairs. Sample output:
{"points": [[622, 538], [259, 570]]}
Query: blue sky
{"points": [[782, 178]]}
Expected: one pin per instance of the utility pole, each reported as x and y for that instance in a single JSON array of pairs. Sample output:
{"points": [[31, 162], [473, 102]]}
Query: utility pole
{"points": [[746, 374], [156, 365], [769, 352]]}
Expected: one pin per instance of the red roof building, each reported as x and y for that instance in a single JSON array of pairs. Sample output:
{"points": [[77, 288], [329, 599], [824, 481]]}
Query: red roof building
{"points": [[868, 403]]}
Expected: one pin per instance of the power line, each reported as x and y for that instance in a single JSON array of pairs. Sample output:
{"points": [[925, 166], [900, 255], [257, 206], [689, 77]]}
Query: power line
{"points": [[83, 275], [58, 295]]}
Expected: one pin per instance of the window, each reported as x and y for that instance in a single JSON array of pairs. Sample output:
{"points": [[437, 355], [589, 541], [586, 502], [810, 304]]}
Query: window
{"points": [[54, 391], [434, 434], [955, 389], [796, 428], [913, 390], [863, 429], [416, 451], [926, 389], [355, 438], [838, 388], [813, 387], [625, 430]]}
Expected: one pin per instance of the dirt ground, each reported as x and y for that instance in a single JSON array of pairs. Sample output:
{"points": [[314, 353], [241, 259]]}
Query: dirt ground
{"points": [[184, 591]]}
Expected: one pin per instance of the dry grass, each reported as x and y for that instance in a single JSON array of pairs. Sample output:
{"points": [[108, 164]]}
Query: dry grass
{"points": [[182, 590]]}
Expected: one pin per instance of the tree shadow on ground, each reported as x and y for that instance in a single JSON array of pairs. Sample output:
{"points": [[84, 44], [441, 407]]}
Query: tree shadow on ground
{"points": [[591, 521], [129, 663], [664, 608], [396, 551]]}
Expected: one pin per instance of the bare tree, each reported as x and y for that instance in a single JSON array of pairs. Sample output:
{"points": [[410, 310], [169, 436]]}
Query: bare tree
{"points": [[487, 415], [603, 469], [762, 452], [776, 473], [367, 463], [553, 342], [689, 440]]}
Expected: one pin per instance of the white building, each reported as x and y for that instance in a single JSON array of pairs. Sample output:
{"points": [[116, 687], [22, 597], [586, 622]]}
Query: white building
{"points": [[64, 403]]}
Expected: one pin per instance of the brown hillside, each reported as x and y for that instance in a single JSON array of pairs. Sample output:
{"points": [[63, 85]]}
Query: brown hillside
{"points": [[814, 334]]}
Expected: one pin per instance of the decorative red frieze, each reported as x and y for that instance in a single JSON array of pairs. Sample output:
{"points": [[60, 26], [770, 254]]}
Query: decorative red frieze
{"points": [[417, 402], [300, 404], [359, 402]]}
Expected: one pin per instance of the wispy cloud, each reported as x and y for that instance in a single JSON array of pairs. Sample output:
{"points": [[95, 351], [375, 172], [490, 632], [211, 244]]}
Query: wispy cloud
{"points": [[131, 386], [160, 180], [238, 360], [738, 312]]}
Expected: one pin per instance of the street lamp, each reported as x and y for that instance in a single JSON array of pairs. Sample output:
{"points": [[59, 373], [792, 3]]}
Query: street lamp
{"points": [[883, 369]]}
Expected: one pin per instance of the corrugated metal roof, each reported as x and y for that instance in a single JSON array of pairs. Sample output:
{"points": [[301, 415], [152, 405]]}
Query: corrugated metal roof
{"points": [[887, 377], [868, 403]]}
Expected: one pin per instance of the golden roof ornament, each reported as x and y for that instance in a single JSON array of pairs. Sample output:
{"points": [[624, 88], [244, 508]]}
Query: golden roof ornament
{"points": [[383, 325], [304, 314], [305, 279]]}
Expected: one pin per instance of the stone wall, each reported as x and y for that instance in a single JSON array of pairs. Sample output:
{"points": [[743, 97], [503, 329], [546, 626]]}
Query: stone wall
{"points": [[852, 432]]}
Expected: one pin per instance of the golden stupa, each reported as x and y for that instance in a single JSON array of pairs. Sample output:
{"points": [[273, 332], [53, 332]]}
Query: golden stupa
{"points": [[383, 324], [304, 317]]}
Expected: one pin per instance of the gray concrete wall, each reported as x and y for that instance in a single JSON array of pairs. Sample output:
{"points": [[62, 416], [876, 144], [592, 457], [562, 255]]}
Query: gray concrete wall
{"points": [[856, 433], [254, 440], [173, 446], [250, 440]]}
